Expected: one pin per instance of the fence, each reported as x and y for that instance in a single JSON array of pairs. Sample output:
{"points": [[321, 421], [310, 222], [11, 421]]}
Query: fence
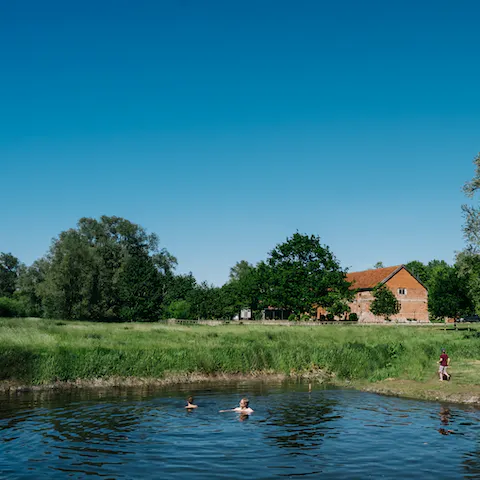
{"points": [[286, 323]]}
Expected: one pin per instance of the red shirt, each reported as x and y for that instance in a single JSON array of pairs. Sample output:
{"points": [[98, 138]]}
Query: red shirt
{"points": [[444, 359]]}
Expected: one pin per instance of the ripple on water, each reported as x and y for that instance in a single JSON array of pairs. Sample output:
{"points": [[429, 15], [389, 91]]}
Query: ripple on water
{"points": [[292, 433]]}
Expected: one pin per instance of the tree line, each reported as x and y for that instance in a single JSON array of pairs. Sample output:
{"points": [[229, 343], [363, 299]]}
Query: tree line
{"points": [[113, 270]]}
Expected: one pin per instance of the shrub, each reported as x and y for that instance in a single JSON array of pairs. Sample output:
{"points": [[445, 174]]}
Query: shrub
{"points": [[179, 309], [353, 317], [330, 317], [384, 303], [10, 307], [305, 317], [292, 317]]}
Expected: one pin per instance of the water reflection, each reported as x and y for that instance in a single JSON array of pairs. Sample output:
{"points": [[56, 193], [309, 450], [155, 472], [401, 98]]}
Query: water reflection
{"points": [[243, 416], [445, 415], [471, 458], [106, 425], [302, 422]]}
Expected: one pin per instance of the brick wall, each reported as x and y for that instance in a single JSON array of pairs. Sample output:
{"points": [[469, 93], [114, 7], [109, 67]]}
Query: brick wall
{"points": [[413, 303]]}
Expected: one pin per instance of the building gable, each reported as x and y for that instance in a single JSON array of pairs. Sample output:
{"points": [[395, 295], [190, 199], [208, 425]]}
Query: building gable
{"points": [[404, 279], [368, 279], [408, 290]]}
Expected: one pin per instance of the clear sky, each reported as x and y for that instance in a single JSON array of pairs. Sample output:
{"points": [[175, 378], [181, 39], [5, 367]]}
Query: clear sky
{"points": [[224, 127]]}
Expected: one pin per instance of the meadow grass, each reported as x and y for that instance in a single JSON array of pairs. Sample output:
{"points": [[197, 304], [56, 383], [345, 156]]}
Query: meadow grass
{"points": [[39, 351]]}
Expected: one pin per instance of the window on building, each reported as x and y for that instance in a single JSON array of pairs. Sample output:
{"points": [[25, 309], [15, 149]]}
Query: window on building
{"points": [[402, 291]]}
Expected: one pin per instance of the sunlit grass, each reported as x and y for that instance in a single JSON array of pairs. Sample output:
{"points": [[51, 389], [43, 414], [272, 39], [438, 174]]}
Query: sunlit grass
{"points": [[40, 351]]}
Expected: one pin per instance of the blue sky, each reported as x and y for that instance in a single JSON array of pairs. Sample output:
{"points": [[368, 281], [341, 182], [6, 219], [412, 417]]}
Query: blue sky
{"points": [[224, 127]]}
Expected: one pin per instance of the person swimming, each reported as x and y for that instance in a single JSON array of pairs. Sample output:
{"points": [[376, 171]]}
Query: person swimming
{"points": [[242, 408], [190, 403]]}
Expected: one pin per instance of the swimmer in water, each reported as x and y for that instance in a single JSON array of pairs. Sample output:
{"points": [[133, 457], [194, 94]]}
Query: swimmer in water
{"points": [[190, 403], [242, 408]]}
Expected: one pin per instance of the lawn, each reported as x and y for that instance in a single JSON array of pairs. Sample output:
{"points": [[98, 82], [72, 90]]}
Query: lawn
{"points": [[38, 351]]}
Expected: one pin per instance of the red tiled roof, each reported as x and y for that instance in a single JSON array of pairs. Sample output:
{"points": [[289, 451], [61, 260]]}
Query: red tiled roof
{"points": [[369, 278]]}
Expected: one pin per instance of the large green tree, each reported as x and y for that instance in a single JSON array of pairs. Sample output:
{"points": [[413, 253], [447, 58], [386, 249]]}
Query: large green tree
{"points": [[176, 288], [244, 286], [70, 283], [418, 270], [448, 293], [301, 274], [206, 302], [31, 286], [139, 289], [104, 269], [468, 261], [9, 270], [468, 269], [423, 272], [115, 241], [471, 228], [384, 303]]}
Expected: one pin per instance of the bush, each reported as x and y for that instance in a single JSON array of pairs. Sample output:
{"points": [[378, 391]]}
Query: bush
{"points": [[10, 307], [353, 317], [179, 309], [330, 317], [305, 317], [292, 317]]}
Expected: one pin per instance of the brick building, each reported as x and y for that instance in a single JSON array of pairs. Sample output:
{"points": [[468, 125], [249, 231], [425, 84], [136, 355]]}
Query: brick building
{"points": [[410, 292]]}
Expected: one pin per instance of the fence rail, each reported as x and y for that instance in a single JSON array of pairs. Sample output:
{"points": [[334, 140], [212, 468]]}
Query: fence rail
{"points": [[286, 323]]}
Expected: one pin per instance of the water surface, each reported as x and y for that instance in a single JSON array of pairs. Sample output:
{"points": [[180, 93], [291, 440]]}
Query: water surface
{"points": [[328, 433]]}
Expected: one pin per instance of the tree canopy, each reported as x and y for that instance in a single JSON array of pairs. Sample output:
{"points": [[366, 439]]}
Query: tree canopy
{"points": [[104, 269], [448, 293], [471, 227], [384, 303], [9, 271], [300, 274]]}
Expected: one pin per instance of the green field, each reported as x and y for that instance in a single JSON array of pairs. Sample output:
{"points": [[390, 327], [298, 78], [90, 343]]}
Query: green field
{"points": [[39, 352]]}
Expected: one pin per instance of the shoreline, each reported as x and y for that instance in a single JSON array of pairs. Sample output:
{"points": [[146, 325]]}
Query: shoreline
{"points": [[9, 387], [409, 389], [432, 391]]}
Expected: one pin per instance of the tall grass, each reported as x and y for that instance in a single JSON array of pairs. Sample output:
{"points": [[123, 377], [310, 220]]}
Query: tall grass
{"points": [[41, 351]]}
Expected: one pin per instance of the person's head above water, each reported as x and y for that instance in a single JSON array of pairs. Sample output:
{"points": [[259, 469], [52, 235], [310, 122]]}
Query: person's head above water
{"points": [[190, 403], [242, 408]]}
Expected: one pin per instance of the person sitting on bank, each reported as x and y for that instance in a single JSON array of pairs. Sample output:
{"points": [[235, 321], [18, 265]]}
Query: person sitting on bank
{"points": [[190, 403], [242, 408], [444, 362]]}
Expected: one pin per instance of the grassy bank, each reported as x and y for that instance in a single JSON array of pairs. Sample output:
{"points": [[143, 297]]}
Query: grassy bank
{"points": [[36, 352]]}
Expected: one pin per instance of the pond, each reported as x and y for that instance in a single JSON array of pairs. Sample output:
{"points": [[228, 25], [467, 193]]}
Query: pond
{"points": [[328, 433]]}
